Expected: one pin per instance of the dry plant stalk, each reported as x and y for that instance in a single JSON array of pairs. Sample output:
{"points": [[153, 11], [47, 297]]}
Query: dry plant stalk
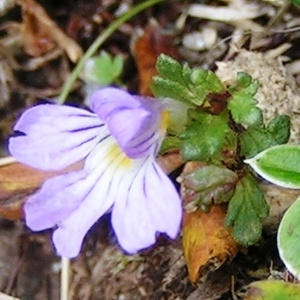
{"points": [[39, 32]]}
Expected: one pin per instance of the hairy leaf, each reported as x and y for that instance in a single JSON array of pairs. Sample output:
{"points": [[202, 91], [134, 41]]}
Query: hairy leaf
{"points": [[183, 83], [206, 185], [204, 137], [246, 210], [242, 103], [254, 140], [280, 128], [258, 138]]}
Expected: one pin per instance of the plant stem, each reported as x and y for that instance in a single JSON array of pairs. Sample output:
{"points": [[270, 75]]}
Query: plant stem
{"points": [[98, 42], [64, 278], [4, 161]]}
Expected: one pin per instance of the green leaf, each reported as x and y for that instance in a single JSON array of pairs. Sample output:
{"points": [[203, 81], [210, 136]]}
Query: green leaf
{"points": [[246, 210], [280, 128], [203, 138], [170, 68], [258, 138], [244, 80], [170, 143], [103, 69], [182, 83], [205, 82], [229, 148], [297, 2], [207, 185], [164, 87], [254, 140], [272, 290], [242, 104], [279, 165], [288, 239]]}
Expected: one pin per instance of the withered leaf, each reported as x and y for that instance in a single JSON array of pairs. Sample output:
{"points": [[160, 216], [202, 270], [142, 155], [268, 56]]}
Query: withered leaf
{"points": [[41, 34], [207, 244], [205, 185], [146, 48]]}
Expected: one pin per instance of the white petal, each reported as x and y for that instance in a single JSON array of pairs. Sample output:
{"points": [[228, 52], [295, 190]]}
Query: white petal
{"points": [[147, 203]]}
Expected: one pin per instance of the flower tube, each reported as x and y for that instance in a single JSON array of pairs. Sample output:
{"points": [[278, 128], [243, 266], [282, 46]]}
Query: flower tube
{"points": [[119, 141]]}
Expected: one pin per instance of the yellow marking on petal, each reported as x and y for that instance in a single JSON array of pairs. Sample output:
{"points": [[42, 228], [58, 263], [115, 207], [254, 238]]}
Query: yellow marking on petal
{"points": [[165, 120], [116, 151]]}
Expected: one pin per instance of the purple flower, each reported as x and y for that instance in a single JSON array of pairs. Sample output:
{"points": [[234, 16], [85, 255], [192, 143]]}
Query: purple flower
{"points": [[119, 142]]}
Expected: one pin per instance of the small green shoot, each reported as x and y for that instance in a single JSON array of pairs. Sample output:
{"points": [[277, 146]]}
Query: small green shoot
{"points": [[103, 69]]}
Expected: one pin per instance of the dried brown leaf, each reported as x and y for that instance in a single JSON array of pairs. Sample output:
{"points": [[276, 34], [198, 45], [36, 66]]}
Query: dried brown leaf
{"points": [[146, 48], [41, 34], [207, 244], [170, 161]]}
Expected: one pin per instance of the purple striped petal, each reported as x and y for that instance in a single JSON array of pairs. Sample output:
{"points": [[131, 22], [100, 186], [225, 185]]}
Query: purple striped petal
{"points": [[107, 101], [109, 165], [133, 121], [69, 235], [147, 203], [56, 200], [54, 137]]}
